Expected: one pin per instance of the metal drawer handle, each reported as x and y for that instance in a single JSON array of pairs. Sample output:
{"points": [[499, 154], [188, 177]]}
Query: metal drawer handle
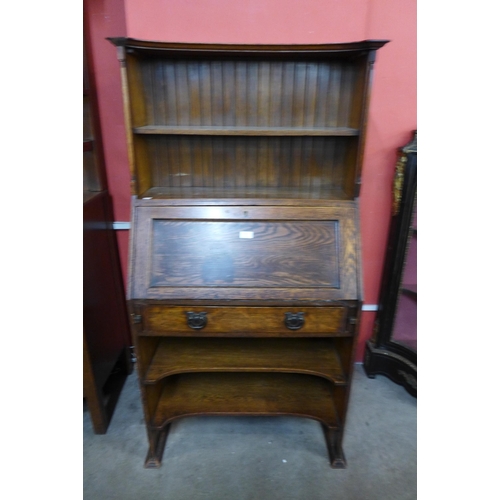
{"points": [[196, 321], [294, 321]]}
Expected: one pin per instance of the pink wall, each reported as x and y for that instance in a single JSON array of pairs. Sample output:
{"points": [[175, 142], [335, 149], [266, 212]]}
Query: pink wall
{"points": [[393, 104], [107, 18]]}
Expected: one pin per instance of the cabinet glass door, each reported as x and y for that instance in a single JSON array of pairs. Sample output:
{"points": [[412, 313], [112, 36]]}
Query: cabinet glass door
{"points": [[405, 323]]}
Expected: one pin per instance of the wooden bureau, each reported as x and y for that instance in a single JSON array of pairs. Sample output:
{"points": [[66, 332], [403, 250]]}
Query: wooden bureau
{"points": [[245, 283]]}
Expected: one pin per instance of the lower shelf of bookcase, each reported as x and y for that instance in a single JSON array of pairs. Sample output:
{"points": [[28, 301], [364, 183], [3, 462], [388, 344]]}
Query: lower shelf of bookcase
{"points": [[245, 394]]}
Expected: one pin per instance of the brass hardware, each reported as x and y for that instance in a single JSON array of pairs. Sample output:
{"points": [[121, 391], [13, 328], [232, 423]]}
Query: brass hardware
{"points": [[196, 321], [397, 189], [294, 321]]}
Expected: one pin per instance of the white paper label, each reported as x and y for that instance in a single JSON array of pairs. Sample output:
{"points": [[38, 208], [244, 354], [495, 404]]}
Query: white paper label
{"points": [[246, 234]]}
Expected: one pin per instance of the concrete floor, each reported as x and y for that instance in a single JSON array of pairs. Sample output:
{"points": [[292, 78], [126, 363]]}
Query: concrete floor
{"points": [[240, 458]]}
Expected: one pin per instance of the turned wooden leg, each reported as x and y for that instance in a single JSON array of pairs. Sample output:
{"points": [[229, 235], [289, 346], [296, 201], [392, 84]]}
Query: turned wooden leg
{"points": [[334, 443], [157, 441]]}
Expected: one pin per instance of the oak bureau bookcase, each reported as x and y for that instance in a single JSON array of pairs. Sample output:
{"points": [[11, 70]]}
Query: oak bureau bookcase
{"points": [[245, 285]]}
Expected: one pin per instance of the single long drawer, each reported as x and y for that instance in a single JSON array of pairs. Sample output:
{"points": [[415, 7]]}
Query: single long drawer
{"points": [[259, 321]]}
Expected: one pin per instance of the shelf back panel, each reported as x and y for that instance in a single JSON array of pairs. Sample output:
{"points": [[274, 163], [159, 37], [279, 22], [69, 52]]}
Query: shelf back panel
{"points": [[314, 165], [242, 92]]}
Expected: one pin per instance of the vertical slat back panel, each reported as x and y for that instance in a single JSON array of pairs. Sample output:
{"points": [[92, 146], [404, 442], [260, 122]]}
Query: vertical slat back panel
{"points": [[308, 163], [262, 92], [253, 92]]}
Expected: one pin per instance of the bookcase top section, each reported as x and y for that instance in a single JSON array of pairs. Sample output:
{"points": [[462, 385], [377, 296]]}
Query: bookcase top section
{"points": [[337, 48], [246, 121]]}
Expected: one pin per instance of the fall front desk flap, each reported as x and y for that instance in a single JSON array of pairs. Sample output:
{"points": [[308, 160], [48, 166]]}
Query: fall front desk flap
{"points": [[278, 253]]}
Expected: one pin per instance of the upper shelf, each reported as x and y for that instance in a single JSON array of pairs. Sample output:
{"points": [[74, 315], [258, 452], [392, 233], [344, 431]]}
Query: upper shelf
{"points": [[257, 131]]}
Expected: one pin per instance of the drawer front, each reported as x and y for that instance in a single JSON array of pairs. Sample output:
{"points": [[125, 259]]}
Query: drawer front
{"points": [[258, 321]]}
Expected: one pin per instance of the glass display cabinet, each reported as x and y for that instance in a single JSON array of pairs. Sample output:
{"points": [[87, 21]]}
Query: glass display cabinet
{"points": [[392, 350]]}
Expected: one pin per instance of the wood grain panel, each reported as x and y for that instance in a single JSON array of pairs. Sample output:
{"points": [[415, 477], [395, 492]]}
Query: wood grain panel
{"points": [[311, 94], [299, 97], [323, 79], [305, 253], [252, 86], [310, 163], [350, 257], [346, 91], [144, 155], [161, 93], [332, 104], [240, 91], [205, 85], [148, 83], [182, 93], [195, 159], [145, 348], [286, 94], [245, 394], [194, 93], [246, 92], [229, 84], [263, 165], [216, 96], [277, 254], [171, 112], [136, 92]]}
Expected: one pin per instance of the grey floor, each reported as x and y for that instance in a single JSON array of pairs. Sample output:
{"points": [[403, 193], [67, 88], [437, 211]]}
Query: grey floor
{"points": [[219, 458]]}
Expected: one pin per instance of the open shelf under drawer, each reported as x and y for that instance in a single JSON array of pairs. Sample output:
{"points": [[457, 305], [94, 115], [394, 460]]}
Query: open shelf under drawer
{"points": [[315, 356]]}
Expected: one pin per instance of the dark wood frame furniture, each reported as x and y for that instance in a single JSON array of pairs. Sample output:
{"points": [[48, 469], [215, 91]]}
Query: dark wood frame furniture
{"points": [[245, 284], [387, 353], [106, 331]]}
